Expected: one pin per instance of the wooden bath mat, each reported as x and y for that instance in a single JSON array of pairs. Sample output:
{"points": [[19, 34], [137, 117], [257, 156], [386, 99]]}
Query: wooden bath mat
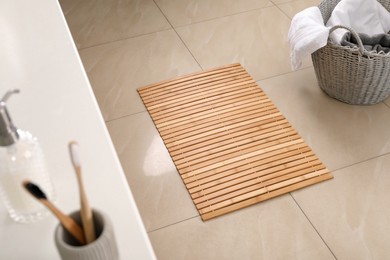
{"points": [[231, 145]]}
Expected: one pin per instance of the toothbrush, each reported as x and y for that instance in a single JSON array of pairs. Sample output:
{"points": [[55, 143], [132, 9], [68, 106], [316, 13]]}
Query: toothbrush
{"points": [[67, 222], [86, 211]]}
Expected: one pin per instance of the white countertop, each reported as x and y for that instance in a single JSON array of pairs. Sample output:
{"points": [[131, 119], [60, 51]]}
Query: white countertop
{"points": [[56, 104]]}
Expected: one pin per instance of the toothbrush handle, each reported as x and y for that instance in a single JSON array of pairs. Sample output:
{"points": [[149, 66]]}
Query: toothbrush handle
{"points": [[86, 211], [67, 222]]}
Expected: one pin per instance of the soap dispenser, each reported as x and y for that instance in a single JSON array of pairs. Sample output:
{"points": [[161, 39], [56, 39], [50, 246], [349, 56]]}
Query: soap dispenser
{"points": [[21, 158]]}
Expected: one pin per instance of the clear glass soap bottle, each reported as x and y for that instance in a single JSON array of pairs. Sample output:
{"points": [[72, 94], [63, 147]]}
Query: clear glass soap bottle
{"points": [[21, 158]]}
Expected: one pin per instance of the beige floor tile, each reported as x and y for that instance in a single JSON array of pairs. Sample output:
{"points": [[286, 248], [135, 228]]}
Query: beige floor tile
{"points": [[351, 212], [116, 70], [387, 102], [294, 7], [281, 1], [95, 22], [340, 134], [274, 229], [257, 39], [184, 12], [157, 187]]}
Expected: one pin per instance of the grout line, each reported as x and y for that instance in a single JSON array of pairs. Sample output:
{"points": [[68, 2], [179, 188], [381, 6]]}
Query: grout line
{"points": [[123, 39], [181, 221], [257, 81], [289, 1], [283, 74], [174, 28], [178, 35], [386, 104], [318, 233], [292, 196], [359, 162], [227, 15], [121, 117], [277, 6]]}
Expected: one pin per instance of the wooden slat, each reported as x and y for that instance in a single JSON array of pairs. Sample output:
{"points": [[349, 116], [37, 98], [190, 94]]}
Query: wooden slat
{"points": [[218, 194], [234, 149], [239, 144], [233, 94], [191, 108], [206, 123], [203, 95], [213, 164], [260, 127], [250, 192], [243, 99], [246, 85], [212, 114], [235, 206], [248, 171], [229, 142], [161, 86], [200, 178], [178, 140], [251, 135], [237, 170], [198, 87]]}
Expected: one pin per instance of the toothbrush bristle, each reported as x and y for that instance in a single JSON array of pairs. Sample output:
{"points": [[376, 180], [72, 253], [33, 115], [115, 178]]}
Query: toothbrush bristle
{"points": [[34, 190], [74, 153]]}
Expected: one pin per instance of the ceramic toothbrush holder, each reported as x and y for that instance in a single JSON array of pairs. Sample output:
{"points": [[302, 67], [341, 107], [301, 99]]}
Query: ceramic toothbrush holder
{"points": [[104, 247]]}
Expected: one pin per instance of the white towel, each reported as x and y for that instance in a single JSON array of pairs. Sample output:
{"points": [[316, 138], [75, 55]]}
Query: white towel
{"points": [[306, 35], [364, 16]]}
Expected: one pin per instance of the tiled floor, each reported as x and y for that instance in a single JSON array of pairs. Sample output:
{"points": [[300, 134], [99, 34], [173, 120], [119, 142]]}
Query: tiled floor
{"points": [[126, 44]]}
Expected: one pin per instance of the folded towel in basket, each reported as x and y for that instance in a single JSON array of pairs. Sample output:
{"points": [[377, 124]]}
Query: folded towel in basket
{"points": [[379, 43], [306, 35], [363, 16]]}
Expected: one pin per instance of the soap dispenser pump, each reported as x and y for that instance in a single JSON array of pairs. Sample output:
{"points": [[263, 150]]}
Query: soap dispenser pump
{"points": [[21, 158]]}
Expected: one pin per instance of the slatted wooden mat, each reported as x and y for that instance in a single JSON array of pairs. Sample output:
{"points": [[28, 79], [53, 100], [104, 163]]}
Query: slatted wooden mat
{"points": [[231, 145]]}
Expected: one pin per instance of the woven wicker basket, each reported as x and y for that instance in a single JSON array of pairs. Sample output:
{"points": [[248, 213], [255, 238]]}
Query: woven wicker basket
{"points": [[353, 76]]}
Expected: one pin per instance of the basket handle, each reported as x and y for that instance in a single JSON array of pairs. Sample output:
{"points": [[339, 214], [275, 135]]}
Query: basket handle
{"points": [[360, 43]]}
